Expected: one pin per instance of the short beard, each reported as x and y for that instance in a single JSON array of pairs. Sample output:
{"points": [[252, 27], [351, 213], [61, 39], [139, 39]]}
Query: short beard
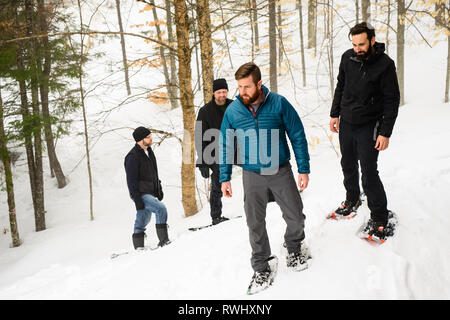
{"points": [[253, 98], [220, 102], [366, 54]]}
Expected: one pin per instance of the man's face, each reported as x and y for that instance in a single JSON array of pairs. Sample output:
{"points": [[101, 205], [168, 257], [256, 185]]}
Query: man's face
{"points": [[220, 96], [147, 141], [361, 45], [248, 90]]}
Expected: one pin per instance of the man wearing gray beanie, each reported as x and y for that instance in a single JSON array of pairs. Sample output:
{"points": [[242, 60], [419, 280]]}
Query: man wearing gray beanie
{"points": [[145, 188]]}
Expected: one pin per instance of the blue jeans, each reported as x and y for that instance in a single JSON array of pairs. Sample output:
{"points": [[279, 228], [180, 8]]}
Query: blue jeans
{"points": [[152, 205]]}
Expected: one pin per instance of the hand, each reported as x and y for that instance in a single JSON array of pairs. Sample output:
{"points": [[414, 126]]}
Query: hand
{"points": [[382, 143], [303, 179], [160, 195], [334, 125], [226, 189], [204, 170], [160, 191]]}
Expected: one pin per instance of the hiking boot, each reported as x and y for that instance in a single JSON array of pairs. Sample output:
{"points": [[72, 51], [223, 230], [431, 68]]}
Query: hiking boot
{"points": [[219, 220], [347, 210]]}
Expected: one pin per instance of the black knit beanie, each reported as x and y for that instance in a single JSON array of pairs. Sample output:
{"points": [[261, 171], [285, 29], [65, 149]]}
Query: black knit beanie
{"points": [[140, 133], [220, 84]]}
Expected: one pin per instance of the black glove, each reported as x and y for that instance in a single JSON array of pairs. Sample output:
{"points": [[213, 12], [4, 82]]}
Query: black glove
{"points": [[139, 204], [160, 191], [204, 171]]}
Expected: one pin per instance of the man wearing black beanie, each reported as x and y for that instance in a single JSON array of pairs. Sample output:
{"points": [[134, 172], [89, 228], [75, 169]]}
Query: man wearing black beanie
{"points": [[145, 188], [210, 117]]}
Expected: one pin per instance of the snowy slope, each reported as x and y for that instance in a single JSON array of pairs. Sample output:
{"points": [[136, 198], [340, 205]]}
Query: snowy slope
{"points": [[70, 260]]}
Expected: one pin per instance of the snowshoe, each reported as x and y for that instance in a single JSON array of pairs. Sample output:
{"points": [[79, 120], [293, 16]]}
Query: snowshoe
{"points": [[261, 280], [347, 210], [376, 232]]}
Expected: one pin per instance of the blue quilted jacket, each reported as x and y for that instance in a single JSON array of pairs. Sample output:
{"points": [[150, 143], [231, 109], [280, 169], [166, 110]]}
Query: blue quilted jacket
{"points": [[261, 140]]}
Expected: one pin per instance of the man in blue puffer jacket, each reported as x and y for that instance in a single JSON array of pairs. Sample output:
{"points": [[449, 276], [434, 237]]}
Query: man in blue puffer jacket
{"points": [[260, 120]]}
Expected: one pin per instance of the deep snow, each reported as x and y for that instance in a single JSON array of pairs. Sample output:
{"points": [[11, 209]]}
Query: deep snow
{"points": [[70, 260]]}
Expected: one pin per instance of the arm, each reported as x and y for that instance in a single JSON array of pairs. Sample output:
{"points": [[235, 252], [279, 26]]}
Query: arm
{"points": [[391, 100], [132, 173], [201, 126], [338, 92], [296, 134], [226, 149]]}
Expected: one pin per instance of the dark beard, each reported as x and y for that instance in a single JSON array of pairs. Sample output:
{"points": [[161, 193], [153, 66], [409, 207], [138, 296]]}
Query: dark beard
{"points": [[252, 99], [367, 54]]}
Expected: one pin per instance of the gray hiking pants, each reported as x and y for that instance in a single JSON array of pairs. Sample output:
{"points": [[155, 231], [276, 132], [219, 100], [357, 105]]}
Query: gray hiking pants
{"points": [[256, 193]]}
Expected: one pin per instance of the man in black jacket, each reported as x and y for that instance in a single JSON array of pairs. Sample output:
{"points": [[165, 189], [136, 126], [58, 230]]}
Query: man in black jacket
{"points": [[364, 110], [210, 117], [145, 188]]}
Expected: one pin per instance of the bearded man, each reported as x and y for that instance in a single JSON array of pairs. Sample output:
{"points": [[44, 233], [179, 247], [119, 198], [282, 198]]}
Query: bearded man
{"points": [[363, 112], [261, 121], [145, 188]]}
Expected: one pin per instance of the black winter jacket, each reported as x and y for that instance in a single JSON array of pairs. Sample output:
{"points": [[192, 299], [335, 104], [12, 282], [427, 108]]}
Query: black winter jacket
{"points": [[211, 116], [142, 175], [367, 90]]}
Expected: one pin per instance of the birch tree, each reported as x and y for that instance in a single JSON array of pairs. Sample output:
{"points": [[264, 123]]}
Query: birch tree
{"points": [[124, 51], [187, 104], [272, 47], [206, 49]]}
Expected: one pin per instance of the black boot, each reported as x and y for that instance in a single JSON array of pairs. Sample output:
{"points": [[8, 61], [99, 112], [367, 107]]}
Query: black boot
{"points": [[161, 232], [138, 240]]}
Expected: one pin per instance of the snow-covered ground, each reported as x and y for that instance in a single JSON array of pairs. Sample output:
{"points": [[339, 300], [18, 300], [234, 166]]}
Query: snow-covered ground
{"points": [[71, 259]]}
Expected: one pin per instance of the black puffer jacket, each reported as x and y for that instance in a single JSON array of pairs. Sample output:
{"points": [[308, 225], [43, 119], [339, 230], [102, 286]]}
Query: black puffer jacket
{"points": [[367, 90], [142, 175]]}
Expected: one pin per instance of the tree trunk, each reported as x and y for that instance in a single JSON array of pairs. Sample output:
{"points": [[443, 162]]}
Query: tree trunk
{"points": [[328, 19], [83, 107], [206, 49], [401, 48], [34, 63], [226, 37], [272, 47], [388, 25], [439, 19], [250, 13], [55, 166], [187, 104], [173, 63], [124, 52], [172, 97], [197, 61], [6, 160], [280, 37], [254, 11], [357, 11], [302, 46], [312, 13], [365, 8], [447, 78]]}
